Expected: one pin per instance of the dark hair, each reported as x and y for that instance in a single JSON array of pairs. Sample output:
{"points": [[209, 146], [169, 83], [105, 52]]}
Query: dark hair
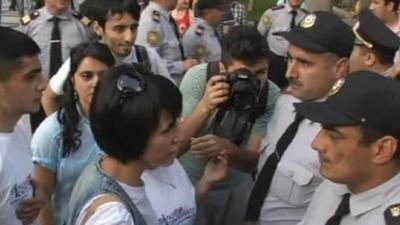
{"points": [[395, 4], [246, 44], [13, 46], [369, 135], [101, 10], [68, 114], [122, 123]]}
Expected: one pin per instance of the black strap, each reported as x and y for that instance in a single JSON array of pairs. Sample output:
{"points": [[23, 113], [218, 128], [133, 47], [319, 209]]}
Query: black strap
{"points": [[342, 210], [55, 47], [263, 183], [142, 56], [178, 36]]}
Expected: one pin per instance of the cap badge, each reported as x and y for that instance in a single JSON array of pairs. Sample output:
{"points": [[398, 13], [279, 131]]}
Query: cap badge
{"points": [[308, 21], [336, 87], [395, 211]]}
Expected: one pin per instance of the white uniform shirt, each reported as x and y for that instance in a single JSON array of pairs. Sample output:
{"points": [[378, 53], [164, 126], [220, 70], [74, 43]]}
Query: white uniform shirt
{"points": [[278, 19], [297, 175], [366, 208], [158, 33]]}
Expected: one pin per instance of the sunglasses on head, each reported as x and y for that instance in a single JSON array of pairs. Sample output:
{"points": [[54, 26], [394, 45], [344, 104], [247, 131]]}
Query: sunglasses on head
{"points": [[130, 84]]}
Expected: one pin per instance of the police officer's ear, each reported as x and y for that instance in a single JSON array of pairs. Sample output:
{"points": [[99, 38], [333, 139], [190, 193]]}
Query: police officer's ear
{"points": [[384, 150], [341, 68], [370, 59], [98, 29]]}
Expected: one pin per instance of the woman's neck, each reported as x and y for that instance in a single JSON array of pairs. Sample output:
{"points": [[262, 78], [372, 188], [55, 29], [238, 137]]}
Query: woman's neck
{"points": [[129, 173]]}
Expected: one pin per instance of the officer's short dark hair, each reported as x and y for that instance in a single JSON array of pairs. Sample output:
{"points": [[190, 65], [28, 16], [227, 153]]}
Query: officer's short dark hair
{"points": [[395, 4], [14, 45], [122, 123], [101, 10], [369, 135], [246, 44], [384, 55]]}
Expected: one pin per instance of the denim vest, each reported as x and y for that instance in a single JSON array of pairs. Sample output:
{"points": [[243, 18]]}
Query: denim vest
{"points": [[94, 181]]}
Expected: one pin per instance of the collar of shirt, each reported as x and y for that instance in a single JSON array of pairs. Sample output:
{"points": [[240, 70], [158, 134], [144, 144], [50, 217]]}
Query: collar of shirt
{"points": [[155, 6], [201, 21], [373, 198], [64, 16], [289, 8]]}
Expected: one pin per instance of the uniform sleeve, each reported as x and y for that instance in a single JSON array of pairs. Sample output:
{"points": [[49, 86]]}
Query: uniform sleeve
{"points": [[56, 83], [45, 143], [191, 42], [193, 87], [265, 23], [158, 65], [112, 213], [260, 125]]}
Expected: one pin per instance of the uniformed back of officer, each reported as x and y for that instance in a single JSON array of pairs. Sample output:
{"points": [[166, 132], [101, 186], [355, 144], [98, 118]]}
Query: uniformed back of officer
{"points": [[158, 30], [202, 40]]}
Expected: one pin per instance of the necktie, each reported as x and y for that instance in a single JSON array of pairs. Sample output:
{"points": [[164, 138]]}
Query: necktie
{"points": [[217, 34], [261, 186], [342, 210], [176, 31], [55, 47], [293, 21]]}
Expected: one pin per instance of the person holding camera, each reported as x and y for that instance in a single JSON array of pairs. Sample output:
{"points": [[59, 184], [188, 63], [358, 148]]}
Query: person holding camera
{"points": [[226, 107]]}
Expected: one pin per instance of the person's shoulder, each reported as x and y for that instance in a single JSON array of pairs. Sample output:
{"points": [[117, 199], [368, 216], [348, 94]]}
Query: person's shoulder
{"points": [[81, 18], [27, 19], [392, 214], [48, 129], [278, 7], [197, 75]]}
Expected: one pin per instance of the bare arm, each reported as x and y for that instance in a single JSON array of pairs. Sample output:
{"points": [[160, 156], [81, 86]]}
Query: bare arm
{"points": [[46, 180], [50, 101]]}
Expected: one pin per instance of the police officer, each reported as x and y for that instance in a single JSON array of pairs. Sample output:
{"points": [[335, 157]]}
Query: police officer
{"points": [[158, 30], [375, 45], [288, 169], [55, 20], [56, 29], [358, 147], [202, 40], [278, 19]]}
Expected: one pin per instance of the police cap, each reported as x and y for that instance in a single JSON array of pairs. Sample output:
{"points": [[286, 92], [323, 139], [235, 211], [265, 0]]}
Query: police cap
{"points": [[322, 31]]}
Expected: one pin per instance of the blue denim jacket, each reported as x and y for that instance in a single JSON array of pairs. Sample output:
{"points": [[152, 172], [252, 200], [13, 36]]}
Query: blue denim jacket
{"points": [[94, 181]]}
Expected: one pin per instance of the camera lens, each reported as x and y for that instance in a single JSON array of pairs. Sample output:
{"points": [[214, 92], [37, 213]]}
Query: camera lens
{"points": [[243, 100]]}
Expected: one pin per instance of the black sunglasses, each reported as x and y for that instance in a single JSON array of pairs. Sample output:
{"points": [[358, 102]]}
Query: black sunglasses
{"points": [[130, 84]]}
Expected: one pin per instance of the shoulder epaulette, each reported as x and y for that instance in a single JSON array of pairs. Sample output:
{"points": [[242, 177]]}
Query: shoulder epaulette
{"points": [[199, 30], [305, 11], [278, 7], [25, 20], [392, 214], [86, 21], [156, 16]]}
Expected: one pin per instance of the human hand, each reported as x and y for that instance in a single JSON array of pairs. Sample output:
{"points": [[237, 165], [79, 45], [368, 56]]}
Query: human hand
{"points": [[208, 146], [217, 169], [217, 92], [189, 63], [28, 210]]}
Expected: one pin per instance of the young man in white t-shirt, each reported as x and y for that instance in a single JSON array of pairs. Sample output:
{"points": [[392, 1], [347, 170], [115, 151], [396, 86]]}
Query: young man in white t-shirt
{"points": [[21, 86]]}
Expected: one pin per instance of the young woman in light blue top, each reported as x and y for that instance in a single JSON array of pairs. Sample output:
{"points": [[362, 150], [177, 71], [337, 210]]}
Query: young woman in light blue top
{"points": [[63, 145]]}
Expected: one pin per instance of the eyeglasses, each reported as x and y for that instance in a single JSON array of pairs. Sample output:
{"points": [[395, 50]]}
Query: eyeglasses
{"points": [[130, 84]]}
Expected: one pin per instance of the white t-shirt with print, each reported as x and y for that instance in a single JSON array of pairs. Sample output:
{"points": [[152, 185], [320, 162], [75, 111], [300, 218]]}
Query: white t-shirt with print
{"points": [[15, 172], [167, 198]]}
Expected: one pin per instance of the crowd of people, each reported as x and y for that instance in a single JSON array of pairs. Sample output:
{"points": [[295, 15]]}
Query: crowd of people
{"points": [[173, 112]]}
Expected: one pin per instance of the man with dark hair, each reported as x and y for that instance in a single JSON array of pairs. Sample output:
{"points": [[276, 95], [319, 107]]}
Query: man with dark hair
{"points": [[21, 86], [375, 45], [288, 170], [115, 22], [358, 148], [387, 11], [158, 30], [202, 40], [212, 127]]}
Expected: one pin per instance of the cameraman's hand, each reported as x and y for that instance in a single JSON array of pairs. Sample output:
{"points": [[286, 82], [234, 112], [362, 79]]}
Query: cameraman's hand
{"points": [[217, 92], [28, 210], [209, 146], [189, 63]]}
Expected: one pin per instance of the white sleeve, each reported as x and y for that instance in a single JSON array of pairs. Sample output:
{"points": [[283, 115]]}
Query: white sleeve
{"points": [[111, 213], [56, 83], [158, 65]]}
